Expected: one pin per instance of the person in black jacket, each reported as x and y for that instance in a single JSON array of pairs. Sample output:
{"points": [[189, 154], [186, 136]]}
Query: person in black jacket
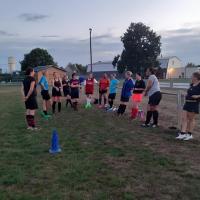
{"points": [[29, 96], [190, 109]]}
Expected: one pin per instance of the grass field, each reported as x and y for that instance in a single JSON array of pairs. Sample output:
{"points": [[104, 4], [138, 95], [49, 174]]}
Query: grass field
{"points": [[103, 157]]}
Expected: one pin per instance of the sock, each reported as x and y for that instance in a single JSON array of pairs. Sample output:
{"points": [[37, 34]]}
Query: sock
{"points": [[99, 101], [59, 106], [119, 109], [134, 113], [123, 109], [53, 107], [45, 112], [111, 103], [148, 117], [32, 121], [155, 117], [28, 120], [105, 101]]}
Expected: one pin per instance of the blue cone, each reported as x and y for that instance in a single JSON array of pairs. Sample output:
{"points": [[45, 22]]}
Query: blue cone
{"points": [[55, 148]]}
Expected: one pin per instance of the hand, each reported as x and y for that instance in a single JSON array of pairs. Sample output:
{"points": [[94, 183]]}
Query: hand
{"points": [[57, 89], [195, 96], [25, 99]]}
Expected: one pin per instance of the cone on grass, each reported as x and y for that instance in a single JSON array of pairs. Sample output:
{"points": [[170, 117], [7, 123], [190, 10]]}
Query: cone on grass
{"points": [[55, 147]]}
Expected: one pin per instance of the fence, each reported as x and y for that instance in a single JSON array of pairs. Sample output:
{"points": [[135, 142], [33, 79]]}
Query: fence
{"points": [[174, 85]]}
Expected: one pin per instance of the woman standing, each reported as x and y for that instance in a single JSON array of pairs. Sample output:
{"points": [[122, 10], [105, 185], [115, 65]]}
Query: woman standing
{"points": [[89, 89], [126, 93], [67, 90], [190, 109], [137, 95], [75, 84], [29, 96], [155, 96], [56, 92]]}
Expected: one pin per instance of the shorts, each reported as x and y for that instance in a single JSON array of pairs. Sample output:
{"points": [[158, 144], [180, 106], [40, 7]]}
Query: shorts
{"points": [[103, 91], [74, 94], [31, 103], [155, 99], [137, 97], [192, 107], [124, 99], [112, 96], [66, 92], [45, 95], [56, 93]]}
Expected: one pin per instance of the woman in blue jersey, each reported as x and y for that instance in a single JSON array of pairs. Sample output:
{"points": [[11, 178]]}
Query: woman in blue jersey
{"points": [[126, 92], [112, 91]]}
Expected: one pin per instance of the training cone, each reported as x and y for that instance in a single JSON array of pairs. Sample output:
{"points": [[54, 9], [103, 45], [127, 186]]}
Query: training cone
{"points": [[55, 148]]}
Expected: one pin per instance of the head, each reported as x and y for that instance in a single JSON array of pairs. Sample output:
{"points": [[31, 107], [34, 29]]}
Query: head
{"points": [[128, 74], [105, 75], [150, 71], [30, 72], [113, 76], [138, 76], [54, 74], [74, 76], [90, 76], [196, 77], [44, 72]]}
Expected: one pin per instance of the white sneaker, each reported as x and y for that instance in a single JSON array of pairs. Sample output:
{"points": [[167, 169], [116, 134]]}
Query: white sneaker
{"points": [[188, 137], [181, 136], [30, 128]]}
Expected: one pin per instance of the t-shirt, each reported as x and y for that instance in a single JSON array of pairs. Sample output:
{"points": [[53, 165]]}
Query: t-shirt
{"points": [[155, 85], [193, 90], [81, 80], [43, 81], [139, 84], [103, 84], [27, 84], [89, 85], [113, 86], [66, 84], [127, 88], [74, 82]]}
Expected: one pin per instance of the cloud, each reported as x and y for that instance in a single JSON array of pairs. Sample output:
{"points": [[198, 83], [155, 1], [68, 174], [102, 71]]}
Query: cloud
{"points": [[30, 17], [5, 33], [50, 36]]}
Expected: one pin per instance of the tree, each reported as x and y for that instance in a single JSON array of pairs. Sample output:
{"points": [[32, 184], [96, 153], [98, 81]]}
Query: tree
{"points": [[190, 65], [37, 57], [142, 46], [115, 60]]}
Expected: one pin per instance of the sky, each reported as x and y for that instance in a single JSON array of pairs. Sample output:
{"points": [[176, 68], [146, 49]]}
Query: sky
{"points": [[62, 27]]}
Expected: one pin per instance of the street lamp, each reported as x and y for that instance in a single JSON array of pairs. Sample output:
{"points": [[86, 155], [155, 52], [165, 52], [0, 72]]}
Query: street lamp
{"points": [[90, 49]]}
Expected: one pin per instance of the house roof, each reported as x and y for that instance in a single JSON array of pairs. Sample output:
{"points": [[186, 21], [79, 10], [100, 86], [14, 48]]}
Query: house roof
{"points": [[164, 61], [102, 67], [41, 68]]}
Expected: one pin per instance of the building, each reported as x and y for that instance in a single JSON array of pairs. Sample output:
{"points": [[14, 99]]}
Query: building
{"points": [[172, 66], [1, 70], [50, 70], [11, 65], [99, 68], [190, 70]]}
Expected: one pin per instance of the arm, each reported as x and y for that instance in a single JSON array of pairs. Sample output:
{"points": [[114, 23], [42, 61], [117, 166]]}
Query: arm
{"points": [[148, 87], [30, 90]]}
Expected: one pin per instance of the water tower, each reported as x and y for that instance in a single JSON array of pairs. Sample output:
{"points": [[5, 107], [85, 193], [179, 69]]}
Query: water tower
{"points": [[11, 65]]}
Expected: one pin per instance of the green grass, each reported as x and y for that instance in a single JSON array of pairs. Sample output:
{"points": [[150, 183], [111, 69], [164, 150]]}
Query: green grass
{"points": [[103, 158]]}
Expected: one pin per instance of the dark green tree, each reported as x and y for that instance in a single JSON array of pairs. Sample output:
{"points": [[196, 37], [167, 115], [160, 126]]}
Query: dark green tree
{"points": [[142, 46], [37, 57], [115, 60]]}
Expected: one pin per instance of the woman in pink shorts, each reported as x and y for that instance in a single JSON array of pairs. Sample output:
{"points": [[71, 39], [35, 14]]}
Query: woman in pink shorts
{"points": [[137, 95]]}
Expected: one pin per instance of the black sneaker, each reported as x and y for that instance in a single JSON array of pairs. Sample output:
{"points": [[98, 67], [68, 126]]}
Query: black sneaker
{"points": [[145, 125]]}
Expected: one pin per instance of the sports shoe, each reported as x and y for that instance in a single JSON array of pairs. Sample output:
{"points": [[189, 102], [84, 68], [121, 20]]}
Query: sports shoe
{"points": [[181, 136], [115, 109], [188, 137], [30, 128], [145, 125], [109, 109], [154, 126]]}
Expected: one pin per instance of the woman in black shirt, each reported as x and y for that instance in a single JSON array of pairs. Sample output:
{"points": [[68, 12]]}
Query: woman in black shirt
{"points": [[29, 95], [56, 92], [190, 109], [66, 89], [137, 95]]}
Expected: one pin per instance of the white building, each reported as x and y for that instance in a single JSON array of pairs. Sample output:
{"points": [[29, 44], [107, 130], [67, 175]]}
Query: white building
{"points": [[11, 65], [173, 66], [99, 68], [190, 70]]}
